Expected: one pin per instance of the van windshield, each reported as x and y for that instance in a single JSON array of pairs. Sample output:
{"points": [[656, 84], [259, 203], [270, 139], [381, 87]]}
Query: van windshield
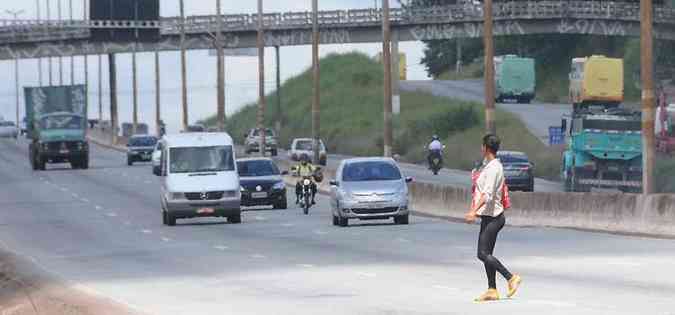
{"points": [[201, 159]]}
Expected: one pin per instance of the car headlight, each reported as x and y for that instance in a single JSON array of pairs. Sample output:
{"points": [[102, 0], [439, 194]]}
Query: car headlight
{"points": [[177, 196], [242, 189], [279, 186]]}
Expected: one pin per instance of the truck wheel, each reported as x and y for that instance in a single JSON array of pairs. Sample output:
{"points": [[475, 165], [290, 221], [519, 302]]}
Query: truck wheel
{"points": [[85, 163], [170, 219], [165, 220], [130, 162], [236, 219], [402, 219], [275, 152], [336, 221], [76, 164], [41, 164], [343, 222]]}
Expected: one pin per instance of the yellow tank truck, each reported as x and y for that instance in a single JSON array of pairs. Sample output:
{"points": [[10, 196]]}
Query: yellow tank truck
{"points": [[596, 80]]}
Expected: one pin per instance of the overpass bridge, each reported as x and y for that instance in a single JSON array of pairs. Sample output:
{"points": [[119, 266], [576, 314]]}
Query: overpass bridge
{"points": [[33, 39]]}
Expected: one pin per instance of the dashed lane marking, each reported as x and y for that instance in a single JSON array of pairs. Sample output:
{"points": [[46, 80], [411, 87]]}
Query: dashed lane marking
{"points": [[305, 265], [287, 224], [75, 195], [85, 200], [260, 218], [403, 240], [319, 232], [366, 274], [64, 189], [258, 256], [146, 231], [111, 214], [98, 207], [221, 247], [166, 239], [443, 287]]}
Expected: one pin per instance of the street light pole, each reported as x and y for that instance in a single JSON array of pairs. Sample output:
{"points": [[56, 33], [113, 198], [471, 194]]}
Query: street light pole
{"points": [[648, 108], [39, 61], [16, 14], [488, 41], [386, 60], [221, 70], [59, 18], [316, 103], [183, 66], [72, 57], [261, 80], [49, 59]]}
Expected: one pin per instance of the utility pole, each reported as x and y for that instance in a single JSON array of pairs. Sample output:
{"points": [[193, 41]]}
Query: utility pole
{"points": [[183, 66], [458, 56], [39, 61], [134, 80], [261, 80], [113, 97], [488, 42], [280, 115], [648, 110], [72, 57], [49, 59], [86, 62], [16, 14], [158, 98], [395, 75], [221, 70], [60, 18], [386, 59], [316, 102], [100, 89]]}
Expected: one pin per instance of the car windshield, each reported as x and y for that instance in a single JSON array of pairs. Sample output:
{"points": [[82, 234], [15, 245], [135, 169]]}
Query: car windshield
{"points": [[201, 159], [61, 122], [512, 158], [143, 142], [370, 171], [269, 133], [307, 145], [257, 168]]}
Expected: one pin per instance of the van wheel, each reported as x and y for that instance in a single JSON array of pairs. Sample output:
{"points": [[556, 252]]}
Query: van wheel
{"points": [[283, 205], [402, 219], [130, 162], [170, 219], [336, 221], [275, 152], [85, 163], [164, 220], [236, 219], [343, 222]]}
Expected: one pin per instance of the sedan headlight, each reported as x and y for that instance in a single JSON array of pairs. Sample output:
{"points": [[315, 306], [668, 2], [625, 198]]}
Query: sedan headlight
{"points": [[279, 186], [242, 189], [177, 196]]}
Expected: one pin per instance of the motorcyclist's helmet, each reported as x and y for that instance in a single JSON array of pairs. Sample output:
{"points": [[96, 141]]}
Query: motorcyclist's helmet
{"points": [[435, 138]]}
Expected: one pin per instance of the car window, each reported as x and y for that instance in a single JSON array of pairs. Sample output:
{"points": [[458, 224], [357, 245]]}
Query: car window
{"points": [[143, 141], [370, 171], [257, 168], [307, 145], [512, 158], [201, 159], [269, 133]]}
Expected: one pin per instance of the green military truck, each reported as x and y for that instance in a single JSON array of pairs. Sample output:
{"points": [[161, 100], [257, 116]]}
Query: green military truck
{"points": [[514, 79], [56, 121]]}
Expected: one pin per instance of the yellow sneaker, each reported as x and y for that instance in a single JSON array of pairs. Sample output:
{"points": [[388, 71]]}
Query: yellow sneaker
{"points": [[514, 283], [490, 295]]}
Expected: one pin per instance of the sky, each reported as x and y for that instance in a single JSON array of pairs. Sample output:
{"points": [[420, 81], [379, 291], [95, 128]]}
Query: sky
{"points": [[241, 72]]}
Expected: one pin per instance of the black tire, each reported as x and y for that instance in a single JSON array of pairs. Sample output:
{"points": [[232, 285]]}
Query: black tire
{"points": [[275, 152], [170, 219], [402, 219], [33, 162], [283, 205], [235, 219], [130, 161], [343, 222], [336, 221], [85, 163], [435, 172], [165, 221], [42, 164], [75, 164]]}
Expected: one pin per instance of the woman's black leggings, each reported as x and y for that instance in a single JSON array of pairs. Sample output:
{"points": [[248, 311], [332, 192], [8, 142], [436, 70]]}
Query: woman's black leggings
{"points": [[489, 230]]}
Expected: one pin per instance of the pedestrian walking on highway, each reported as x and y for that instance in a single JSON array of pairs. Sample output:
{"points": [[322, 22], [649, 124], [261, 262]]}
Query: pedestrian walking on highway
{"points": [[488, 204]]}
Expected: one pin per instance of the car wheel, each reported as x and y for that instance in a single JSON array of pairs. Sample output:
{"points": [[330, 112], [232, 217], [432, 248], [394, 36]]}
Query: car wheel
{"points": [[75, 164], [343, 222], [170, 219], [282, 205], [336, 221], [275, 152], [130, 161], [236, 219], [85, 163], [164, 219], [42, 164], [402, 219]]}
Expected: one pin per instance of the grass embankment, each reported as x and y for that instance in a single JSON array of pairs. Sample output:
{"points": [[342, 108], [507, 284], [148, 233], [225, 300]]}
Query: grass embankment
{"points": [[351, 118]]}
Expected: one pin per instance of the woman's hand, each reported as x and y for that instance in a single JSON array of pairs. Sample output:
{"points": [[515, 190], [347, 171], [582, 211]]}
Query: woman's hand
{"points": [[471, 216]]}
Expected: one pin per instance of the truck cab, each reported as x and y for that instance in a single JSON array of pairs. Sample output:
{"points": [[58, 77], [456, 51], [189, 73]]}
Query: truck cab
{"points": [[59, 138], [514, 78]]}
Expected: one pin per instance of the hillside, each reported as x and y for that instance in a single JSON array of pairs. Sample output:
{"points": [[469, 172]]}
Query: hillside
{"points": [[351, 118]]}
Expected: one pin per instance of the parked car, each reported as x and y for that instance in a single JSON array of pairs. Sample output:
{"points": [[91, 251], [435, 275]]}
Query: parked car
{"points": [[302, 146], [196, 128], [140, 149], [369, 189], [518, 170], [199, 178], [252, 142], [8, 130], [261, 183]]}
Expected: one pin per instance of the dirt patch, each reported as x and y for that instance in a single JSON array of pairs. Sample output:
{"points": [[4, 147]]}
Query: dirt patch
{"points": [[27, 290]]}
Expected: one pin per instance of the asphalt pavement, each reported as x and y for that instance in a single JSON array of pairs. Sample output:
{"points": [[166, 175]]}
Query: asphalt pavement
{"points": [[101, 229], [538, 117]]}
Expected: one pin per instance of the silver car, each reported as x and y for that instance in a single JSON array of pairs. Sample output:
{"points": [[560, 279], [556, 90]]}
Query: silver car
{"points": [[369, 189], [8, 130]]}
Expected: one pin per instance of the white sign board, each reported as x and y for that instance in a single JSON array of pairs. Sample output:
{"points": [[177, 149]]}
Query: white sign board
{"points": [[236, 52]]}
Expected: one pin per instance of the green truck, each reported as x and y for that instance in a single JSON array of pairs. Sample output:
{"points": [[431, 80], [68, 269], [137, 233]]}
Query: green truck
{"points": [[56, 121], [605, 150], [514, 79]]}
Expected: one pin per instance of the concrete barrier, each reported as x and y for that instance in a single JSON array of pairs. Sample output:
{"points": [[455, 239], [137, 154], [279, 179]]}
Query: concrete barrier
{"points": [[614, 213], [104, 138]]}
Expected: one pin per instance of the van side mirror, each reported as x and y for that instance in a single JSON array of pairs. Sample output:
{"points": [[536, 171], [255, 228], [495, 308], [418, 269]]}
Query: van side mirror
{"points": [[409, 179], [334, 183]]}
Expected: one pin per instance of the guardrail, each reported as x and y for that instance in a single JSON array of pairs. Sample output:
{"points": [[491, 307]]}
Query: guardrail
{"points": [[33, 30]]}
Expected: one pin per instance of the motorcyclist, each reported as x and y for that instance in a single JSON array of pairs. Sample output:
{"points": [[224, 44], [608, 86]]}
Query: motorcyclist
{"points": [[305, 170], [435, 147]]}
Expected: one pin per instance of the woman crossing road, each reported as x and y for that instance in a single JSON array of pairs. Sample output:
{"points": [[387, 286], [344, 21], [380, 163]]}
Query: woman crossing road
{"points": [[488, 204]]}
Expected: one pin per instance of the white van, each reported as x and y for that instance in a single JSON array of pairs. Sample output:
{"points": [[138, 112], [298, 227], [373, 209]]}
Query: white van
{"points": [[199, 177]]}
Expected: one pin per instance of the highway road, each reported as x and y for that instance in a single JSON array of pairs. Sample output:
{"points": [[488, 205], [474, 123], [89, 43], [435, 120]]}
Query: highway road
{"points": [[101, 229], [536, 116]]}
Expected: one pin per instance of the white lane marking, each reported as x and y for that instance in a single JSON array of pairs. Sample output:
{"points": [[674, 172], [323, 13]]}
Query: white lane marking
{"points": [[85, 200], [403, 240], [75, 195], [127, 223], [144, 231], [319, 232], [111, 214], [287, 224], [366, 274], [305, 265], [221, 247], [260, 218], [98, 207], [623, 263], [165, 239], [258, 256], [148, 182], [443, 287], [64, 189]]}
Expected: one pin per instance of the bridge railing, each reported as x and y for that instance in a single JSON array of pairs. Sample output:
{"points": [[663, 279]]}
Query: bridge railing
{"points": [[32, 30]]}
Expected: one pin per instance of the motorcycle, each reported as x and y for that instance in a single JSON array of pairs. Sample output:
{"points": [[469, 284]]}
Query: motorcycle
{"points": [[435, 161], [306, 194]]}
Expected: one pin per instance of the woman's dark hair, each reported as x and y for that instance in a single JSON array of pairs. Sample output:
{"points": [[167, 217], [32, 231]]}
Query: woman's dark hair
{"points": [[491, 143]]}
